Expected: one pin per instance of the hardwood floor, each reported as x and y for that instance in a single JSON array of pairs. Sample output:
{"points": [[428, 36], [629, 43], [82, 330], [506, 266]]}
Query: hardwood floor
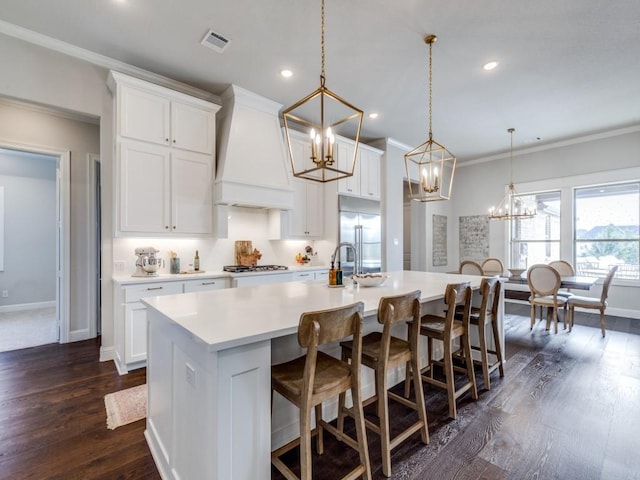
{"points": [[567, 408]]}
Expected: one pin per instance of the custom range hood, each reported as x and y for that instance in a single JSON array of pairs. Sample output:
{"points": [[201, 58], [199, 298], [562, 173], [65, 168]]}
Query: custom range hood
{"points": [[252, 165]]}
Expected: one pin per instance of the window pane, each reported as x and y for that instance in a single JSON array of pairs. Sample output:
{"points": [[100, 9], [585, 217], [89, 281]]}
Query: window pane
{"points": [[525, 254], [607, 220], [537, 239], [594, 259]]}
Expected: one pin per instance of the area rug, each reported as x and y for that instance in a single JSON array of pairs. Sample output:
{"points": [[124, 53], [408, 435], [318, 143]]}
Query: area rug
{"points": [[126, 406]]}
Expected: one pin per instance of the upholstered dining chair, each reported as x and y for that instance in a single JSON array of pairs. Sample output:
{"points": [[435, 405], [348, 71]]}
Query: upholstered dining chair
{"points": [[565, 269], [492, 266], [593, 303], [544, 282], [469, 267], [309, 380]]}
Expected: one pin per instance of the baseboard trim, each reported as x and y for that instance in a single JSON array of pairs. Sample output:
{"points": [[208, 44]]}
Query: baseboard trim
{"points": [[612, 311], [26, 306], [78, 335], [107, 353]]}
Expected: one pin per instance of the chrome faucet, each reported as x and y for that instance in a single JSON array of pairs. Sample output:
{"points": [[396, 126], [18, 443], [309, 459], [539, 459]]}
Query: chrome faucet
{"points": [[356, 261]]}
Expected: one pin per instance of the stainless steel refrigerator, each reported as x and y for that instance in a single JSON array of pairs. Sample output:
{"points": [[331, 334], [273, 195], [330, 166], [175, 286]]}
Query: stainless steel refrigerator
{"points": [[360, 224]]}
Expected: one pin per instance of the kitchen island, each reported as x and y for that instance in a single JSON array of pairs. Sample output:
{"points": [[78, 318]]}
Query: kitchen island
{"points": [[209, 377]]}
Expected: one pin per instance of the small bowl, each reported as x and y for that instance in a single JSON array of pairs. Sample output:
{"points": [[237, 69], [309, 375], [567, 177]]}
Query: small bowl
{"points": [[370, 279], [517, 272]]}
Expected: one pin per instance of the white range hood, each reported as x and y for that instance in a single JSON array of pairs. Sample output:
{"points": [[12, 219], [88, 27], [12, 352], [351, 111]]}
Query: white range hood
{"points": [[252, 167]]}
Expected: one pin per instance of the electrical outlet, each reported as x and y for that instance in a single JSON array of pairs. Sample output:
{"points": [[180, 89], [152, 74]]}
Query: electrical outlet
{"points": [[5, 293], [118, 266], [191, 375]]}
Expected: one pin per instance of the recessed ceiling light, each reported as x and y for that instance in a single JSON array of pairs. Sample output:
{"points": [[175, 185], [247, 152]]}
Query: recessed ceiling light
{"points": [[373, 115], [490, 65], [286, 73], [532, 140]]}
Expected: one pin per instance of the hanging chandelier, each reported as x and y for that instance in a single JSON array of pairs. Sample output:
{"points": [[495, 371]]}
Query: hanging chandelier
{"points": [[320, 114], [430, 167], [512, 206]]}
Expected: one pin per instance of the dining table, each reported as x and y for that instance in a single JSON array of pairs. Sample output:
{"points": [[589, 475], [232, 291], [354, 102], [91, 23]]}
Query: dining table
{"points": [[517, 288]]}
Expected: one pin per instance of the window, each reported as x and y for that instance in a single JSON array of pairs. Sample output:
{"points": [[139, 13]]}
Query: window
{"points": [[537, 239], [606, 230]]}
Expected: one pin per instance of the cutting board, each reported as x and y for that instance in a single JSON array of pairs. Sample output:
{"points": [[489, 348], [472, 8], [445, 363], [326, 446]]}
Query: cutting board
{"points": [[244, 248]]}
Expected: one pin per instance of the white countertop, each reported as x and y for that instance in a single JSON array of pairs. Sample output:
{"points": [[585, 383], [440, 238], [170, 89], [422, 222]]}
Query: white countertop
{"points": [[232, 317]]}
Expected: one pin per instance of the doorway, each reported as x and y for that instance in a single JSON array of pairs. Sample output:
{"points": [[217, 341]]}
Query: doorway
{"points": [[34, 279]]}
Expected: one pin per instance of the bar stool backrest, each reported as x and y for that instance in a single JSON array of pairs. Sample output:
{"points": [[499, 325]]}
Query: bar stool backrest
{"points": [[327, 326]]}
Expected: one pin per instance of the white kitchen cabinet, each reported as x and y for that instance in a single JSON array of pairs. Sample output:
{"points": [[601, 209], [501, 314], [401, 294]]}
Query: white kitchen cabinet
{"points": [[248, 280], [164, 190], [365, 181], [305, 219], [369, 173], [164, 159], [306, 216], [311, 275], [131, 315], [154, 114], [348, 185], [206, 284]]}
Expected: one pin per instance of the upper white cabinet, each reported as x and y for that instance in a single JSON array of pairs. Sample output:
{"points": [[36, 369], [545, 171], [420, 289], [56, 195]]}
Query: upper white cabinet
{"points": [[305, 220], [164, 159], [306, 216], [158, 118], [365, 181]]}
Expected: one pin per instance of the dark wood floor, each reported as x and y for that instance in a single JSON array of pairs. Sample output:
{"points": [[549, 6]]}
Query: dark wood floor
{"points": [[568, 408]]}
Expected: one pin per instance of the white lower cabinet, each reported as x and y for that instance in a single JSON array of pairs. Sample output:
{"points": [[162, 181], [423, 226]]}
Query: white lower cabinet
{"points": [[311, 275], [131, 323], [266, 279]]}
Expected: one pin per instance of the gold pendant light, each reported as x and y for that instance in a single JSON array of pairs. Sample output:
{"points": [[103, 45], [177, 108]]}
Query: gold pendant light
{"points": [[321, 115], [512, 206], [430, 167]]}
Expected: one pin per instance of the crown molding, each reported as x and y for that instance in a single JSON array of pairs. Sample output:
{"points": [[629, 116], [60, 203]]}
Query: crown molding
{"points": [[57, 111], [109, 63], [550, 146]]}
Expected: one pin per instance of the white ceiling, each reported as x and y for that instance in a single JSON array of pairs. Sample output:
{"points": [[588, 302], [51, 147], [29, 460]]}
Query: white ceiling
{"points": [[567, 68]]}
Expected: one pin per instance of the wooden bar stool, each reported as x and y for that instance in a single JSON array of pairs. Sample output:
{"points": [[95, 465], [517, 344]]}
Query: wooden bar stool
{"points": [[315, 377], [381, 351], [487, 312], [447, 329]]}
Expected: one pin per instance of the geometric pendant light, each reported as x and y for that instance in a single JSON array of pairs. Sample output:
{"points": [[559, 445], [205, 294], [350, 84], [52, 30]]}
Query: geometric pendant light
{"points": [[320, 115], [430, 166]]}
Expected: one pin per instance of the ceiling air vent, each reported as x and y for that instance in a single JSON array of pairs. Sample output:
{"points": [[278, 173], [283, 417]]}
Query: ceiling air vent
{"points": [[215, 41]]}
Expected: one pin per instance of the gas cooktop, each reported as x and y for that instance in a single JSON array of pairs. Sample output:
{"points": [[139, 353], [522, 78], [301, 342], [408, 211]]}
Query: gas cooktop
{"points": [[256, 268]]}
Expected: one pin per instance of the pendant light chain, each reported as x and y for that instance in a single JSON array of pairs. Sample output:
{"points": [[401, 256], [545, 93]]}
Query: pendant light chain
{"points": [[322, 77], [511, 130], [430, 89]]}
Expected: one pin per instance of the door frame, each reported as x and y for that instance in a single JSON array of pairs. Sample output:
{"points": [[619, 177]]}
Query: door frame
{"points": [[63, 231]]}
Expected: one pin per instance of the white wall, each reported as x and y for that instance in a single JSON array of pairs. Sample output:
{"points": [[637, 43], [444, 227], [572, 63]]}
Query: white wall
{"points": [[29, 182], [74, 87], [601, 158]]}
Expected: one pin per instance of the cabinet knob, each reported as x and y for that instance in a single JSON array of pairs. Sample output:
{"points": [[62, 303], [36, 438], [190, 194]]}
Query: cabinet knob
{"points": [[167, 227], [174, 141], [174, 227], [166, 140]]}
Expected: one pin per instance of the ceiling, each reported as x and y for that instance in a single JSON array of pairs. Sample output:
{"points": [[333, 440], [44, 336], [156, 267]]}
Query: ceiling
{"points": [[566, 68]]}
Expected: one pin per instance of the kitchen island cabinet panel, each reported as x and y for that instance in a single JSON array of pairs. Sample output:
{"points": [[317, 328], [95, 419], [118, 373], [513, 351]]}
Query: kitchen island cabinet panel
{"points": [[233, 352]]}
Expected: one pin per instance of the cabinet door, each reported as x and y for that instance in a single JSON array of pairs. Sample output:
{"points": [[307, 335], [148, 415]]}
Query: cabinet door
{"points": [[298, 215], [349, 185], [144, 116], [135, 337], [144, 188], [314, 209], [192, 192], [322, 275], [369, 174], [192, 128]]}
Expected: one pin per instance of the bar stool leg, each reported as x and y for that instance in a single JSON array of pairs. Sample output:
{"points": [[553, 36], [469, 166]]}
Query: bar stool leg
{"points": [[383, 415], [485, 356], [450, 379], [498, 347], [469, 362], [305, 444], [320, 430], [361, 433]]}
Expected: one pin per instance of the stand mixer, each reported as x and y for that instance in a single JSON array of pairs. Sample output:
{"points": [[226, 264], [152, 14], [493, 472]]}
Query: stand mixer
{"points": [[147, 264]]}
